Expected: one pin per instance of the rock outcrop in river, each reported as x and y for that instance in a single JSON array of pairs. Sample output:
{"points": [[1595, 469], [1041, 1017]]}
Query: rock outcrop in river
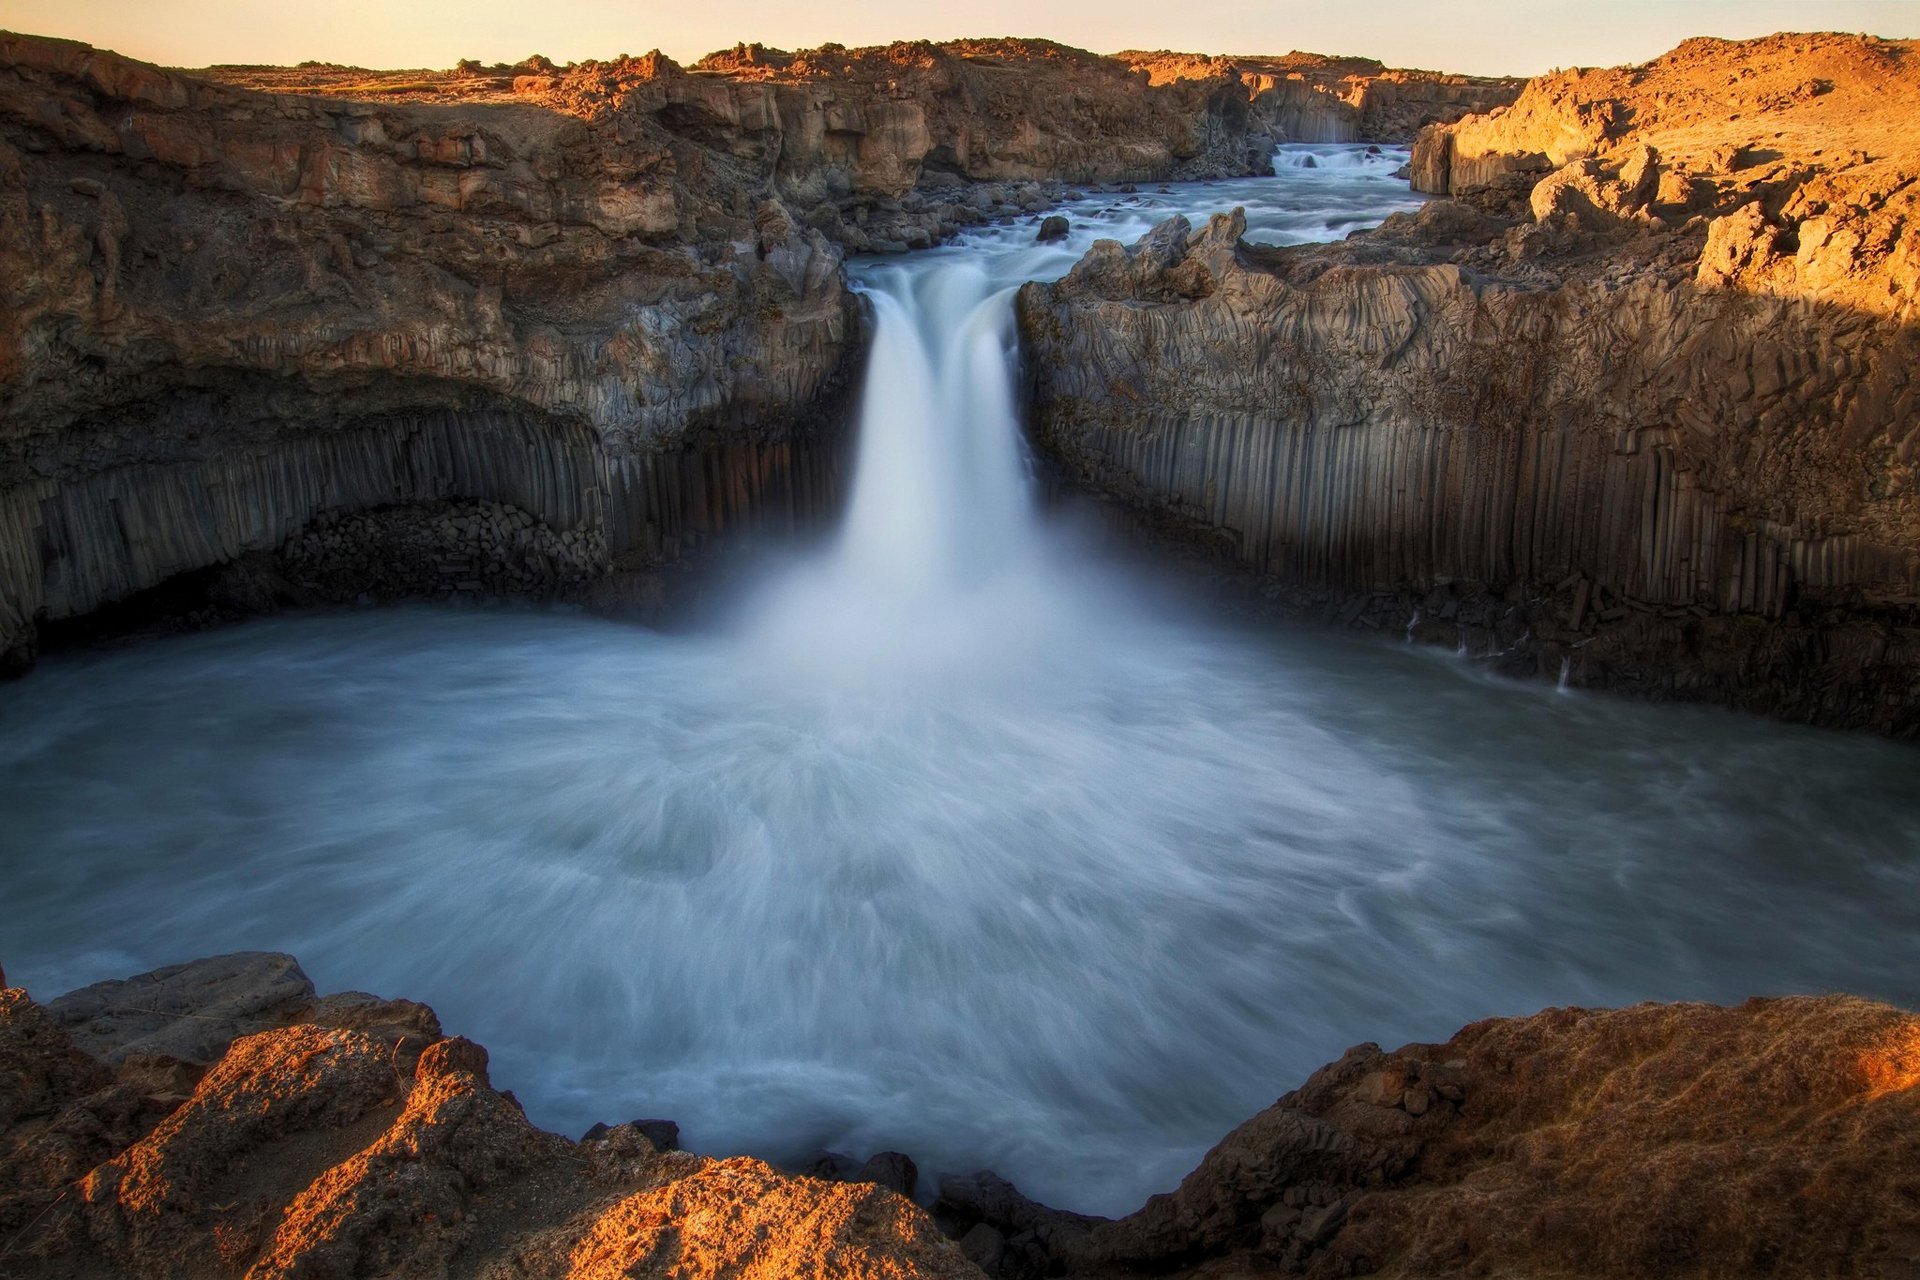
{"points": [[219, 1119], [318, 333], [1636, 406]]}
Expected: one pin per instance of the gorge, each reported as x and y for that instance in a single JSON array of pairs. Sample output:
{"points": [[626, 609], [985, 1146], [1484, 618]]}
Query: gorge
{"points": [[951, 827]]}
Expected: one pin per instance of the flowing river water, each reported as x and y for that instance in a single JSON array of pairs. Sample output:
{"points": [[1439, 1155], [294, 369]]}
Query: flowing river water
{"points": [[955, 836]]}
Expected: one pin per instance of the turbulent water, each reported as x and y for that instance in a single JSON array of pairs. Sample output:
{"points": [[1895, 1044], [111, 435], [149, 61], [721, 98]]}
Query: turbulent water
{"points": [[955, 837]]}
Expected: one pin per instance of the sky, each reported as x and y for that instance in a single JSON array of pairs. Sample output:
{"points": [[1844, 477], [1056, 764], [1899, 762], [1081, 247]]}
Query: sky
{"points": [[1516, 37]]}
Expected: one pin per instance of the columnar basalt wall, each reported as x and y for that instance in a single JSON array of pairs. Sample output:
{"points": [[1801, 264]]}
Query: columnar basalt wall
{"points": [[71, 549], [230, 314], [1652, 485], [1637, 410]]}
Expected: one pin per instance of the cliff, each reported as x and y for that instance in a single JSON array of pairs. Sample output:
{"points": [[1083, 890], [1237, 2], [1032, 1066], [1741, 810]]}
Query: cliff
{"points": [[1309, 97], [274, 335], [224, 314], [220, 1119], [1627, 420]]}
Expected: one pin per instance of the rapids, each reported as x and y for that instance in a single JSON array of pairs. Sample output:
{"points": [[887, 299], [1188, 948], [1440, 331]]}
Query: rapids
{"points": [[956, 835]]}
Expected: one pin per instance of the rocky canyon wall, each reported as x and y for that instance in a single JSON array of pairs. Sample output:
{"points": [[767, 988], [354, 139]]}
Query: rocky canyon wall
{"points": [[228, 313], [546, 322], [1307, 97], [1632, 422]]}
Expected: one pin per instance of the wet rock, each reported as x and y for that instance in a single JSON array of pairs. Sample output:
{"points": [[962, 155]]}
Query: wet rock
{"points": [[1055, 227], [831, 1166], [985, 1247], [965, 1201], [892, 1170], [662, 1135]]}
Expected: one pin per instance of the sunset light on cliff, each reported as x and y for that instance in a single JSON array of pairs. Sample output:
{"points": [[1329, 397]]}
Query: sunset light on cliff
{"points": [[1484, 37]]}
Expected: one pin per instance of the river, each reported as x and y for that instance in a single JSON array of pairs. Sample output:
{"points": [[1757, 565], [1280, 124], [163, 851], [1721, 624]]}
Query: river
{"points": [[958, 834]]}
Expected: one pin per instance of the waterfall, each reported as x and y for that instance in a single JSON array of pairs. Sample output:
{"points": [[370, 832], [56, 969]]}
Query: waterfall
{"points": [[940, 571], [940, 495], [962, 838]]}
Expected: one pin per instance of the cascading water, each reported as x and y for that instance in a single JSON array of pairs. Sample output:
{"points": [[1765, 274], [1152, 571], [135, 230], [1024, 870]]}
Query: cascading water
{"points": [[959, 839], [939, 489]]}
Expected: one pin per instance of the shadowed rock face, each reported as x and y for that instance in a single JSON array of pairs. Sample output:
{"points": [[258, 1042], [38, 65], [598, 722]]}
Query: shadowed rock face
{"points": [[227, 313], [1564, 424]]}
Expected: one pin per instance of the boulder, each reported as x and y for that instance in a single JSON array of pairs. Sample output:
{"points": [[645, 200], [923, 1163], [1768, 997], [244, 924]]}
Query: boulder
{"points": [[892, 1170], [187, 1011], [664, 1135]]}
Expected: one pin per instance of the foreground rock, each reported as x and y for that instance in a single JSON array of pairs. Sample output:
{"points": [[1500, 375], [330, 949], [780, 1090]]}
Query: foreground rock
{"points": [[1637, 410], [1781, 1137], [325, 1150]]}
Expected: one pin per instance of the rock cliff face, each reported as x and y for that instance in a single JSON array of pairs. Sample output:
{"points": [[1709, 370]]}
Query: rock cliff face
{"points": [[1307, 97], [282, 1134], [1643, 424], [307, 334], [227, 313]]}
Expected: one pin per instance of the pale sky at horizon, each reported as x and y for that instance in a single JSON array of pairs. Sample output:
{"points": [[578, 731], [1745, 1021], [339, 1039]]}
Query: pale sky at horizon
{"points": [[1519, 37]]}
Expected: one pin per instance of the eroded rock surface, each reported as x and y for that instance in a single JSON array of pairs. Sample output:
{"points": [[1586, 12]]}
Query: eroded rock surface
{"points": [[1780, 1137], [1776, 1138], [1612, 416], [370, 1147]]}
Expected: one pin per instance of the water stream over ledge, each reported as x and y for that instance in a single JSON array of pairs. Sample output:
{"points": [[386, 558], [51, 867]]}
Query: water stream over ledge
{"points": [[956, 837]]}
